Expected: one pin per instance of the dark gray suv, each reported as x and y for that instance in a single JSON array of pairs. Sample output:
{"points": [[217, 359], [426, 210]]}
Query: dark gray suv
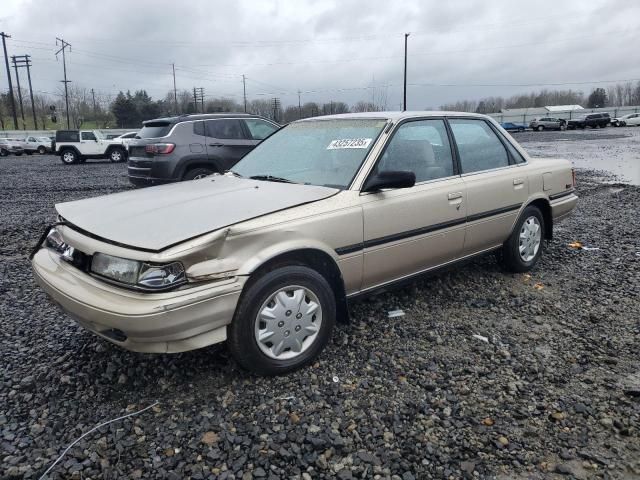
{"points": [[193, 146]]}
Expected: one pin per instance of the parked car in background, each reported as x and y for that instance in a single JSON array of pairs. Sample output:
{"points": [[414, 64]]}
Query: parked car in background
{"points": [[126, 138], [193, 146], [9, 146], [513, 127], [327, 209], [39, 145], [76, 146], [548, 123], [593, 120], [626, 120]]}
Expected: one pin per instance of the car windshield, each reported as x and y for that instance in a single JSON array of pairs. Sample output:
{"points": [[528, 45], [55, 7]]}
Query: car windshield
{"points": [[314, 152], [98, 135]]}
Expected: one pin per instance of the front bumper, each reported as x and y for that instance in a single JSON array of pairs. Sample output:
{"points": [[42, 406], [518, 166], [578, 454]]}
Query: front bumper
{"points": [[168, 322]]}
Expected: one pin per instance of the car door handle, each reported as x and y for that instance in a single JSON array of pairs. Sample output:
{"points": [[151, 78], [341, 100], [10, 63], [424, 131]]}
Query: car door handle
{"points": [[518, 181], [454, 195], [216, 145]]}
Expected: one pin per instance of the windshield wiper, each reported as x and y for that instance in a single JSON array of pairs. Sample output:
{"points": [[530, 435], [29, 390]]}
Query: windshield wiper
{"points": [[271, 178]]}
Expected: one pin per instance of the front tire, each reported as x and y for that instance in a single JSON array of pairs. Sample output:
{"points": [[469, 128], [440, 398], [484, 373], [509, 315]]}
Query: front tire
{"points": [[540, 128], [283, 321], [117, 155], [42, 150], [69, 157], [197, 173], [523, 248], [3, 152]]}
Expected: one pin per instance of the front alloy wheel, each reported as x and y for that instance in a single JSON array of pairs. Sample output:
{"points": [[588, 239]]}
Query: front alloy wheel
{"points": [[283, 320]]}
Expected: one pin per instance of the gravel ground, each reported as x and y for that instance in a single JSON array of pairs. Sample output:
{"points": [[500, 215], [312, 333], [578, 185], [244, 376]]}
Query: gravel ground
{"points": [[554, 392]]}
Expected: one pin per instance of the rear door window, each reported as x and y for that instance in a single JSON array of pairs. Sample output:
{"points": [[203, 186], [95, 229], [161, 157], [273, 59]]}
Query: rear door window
{"points": [[227, 129], [478, 146]]}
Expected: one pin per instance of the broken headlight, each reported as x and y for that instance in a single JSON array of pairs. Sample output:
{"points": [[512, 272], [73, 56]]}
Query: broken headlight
{"points": [[55, 242], [138, 274]]}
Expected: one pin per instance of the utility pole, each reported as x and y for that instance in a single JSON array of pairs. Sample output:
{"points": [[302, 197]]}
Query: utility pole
{"points": [[276, 107], [15, 66], [175, 91], [6, 63], [95, 114], [244, 91], [299, 105], [66, 82], [25, 61], [198, 95], [404, 103]]}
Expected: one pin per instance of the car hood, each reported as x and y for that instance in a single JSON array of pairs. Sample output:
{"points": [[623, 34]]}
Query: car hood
{"points": [[157, 217]]}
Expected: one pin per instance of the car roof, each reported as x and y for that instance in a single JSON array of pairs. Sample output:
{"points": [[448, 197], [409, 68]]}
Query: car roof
{"points": [[200, 116], [393, 116]]}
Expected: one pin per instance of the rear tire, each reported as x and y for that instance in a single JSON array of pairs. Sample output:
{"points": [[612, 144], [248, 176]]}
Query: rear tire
{"points": [[4, 153], [523, 248], [197, 173], [42, 150], [69, 157], [303, 320], [540, 128], [117, 155]]}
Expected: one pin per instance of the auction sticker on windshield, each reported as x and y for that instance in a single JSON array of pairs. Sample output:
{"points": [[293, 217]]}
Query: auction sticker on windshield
{"points": [[349, 143]]}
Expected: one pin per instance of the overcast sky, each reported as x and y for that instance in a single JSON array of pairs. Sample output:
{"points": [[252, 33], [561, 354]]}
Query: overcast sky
{"points": [[330, 50]]}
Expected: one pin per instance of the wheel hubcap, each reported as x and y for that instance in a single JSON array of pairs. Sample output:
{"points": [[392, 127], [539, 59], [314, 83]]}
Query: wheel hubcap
{"points": [[116, 156], [68, 157], [288, 322], [530, 238]]}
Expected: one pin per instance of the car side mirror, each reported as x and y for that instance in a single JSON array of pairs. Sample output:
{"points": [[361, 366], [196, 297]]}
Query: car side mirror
{"points": [[390, 179]]}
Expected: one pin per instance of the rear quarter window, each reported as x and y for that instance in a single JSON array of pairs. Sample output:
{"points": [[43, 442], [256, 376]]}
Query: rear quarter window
{"points": [[67, 136]]}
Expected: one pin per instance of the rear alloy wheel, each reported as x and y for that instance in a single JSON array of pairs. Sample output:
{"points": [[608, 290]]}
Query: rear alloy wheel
{"points": [[69, 157], [523, 248], [117, 155], [540, 128], [197, 173], [42, 150], [563, 127], [283, 320]]}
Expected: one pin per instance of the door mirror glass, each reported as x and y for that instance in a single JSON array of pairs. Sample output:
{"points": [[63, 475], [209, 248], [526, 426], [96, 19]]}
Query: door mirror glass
{"points": [[390, 179]]}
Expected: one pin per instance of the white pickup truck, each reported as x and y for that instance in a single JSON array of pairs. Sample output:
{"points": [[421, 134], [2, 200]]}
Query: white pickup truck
{"points": [[40, 145], [76, 146]]}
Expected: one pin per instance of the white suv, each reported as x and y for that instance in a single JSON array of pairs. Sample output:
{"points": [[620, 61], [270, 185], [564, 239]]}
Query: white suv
{"points": [[74, 146]]}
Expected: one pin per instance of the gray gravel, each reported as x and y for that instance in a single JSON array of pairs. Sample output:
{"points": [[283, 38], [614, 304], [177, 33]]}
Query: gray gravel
{"points": [[555, 391]]}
